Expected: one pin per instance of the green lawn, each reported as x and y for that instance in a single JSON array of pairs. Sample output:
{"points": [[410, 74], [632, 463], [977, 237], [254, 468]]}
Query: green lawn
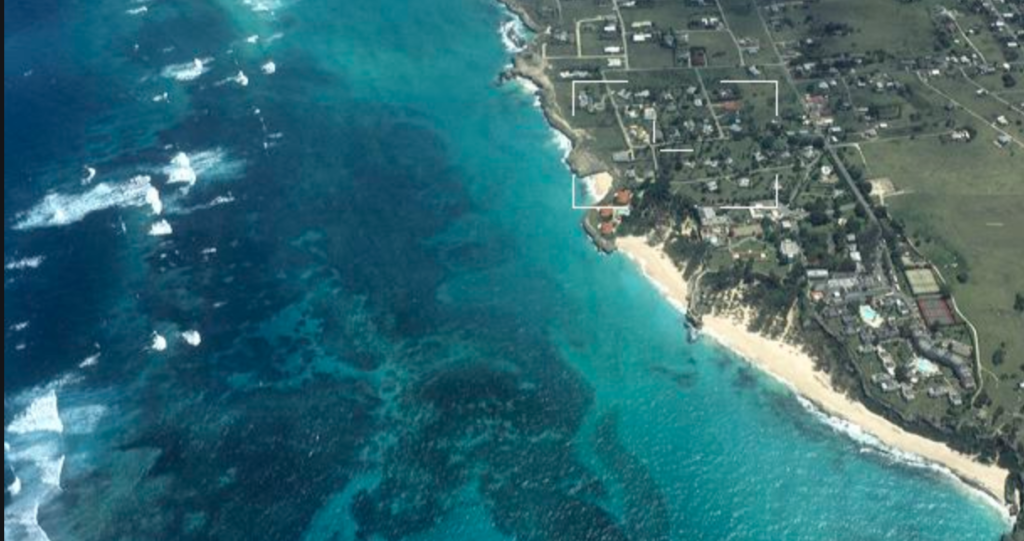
{"points": [[900, 28]]}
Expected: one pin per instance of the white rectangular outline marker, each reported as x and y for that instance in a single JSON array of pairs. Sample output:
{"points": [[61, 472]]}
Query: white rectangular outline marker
{"points": [[751, 82], [590, 207], [594, 82]]}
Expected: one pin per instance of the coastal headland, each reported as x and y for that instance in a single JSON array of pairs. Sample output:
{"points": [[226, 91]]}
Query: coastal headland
{"points": [[819, 287]]}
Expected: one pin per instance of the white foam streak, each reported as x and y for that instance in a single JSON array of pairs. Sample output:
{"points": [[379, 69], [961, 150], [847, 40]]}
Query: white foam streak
{"points": [[90, 362], [20, 327], [25, 264], [57, 210], [42, 415], [189, 71], [15, 488], [138, 11], [90, 174], [241, 80], [159, 343], [873, 444], [269, 68]]}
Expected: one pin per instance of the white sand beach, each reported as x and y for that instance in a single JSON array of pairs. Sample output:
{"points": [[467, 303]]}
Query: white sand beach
{"points": [[797, 369], [599, 186]]}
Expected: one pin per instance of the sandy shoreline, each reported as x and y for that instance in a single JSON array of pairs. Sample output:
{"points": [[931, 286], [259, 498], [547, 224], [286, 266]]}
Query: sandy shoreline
{"points": [[599, 186], [796, 369], [778, 359]]}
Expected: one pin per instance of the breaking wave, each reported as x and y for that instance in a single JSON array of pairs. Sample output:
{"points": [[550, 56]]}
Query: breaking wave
{"points": [[58, 210], [161, 229], [213, 164], [25, 263], [514, 35], [189, 71], [871, 444], [41, 416]]}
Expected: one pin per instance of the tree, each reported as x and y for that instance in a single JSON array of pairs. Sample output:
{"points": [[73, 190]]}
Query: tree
{"points": [[1009, 81], [999, 357], [1019, 304]]}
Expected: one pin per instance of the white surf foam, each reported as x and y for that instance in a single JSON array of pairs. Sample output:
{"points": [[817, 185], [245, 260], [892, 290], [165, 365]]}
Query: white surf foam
{"points": [[264, 6], [90, 174], [874, 445], [90, 362], [513, 35], [215, 164], [192, 338], [181, 171], [22, 524], [58, 210], [189, 71], [241, 80], [20, 327], [42, 415], [563, 143], [27, 263], [159, 343], [138, 11], [209, 252], [253, 39], [161, 229], [50, 472], [154, 201], [15, 488], [161, 98], [269, 68]]}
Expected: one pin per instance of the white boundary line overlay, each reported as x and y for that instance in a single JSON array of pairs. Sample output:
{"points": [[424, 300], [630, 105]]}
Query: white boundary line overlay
{"points": [[753, 82], [592, 82], [576, 206], [777, 206]]}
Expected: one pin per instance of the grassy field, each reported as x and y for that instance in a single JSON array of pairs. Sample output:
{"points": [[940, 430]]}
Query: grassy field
{"points": [[903, 29], [746, 24], [964, 208]]}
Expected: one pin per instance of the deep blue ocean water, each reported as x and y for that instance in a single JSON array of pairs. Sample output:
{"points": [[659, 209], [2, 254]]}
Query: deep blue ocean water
{"points": [[398, 330]]}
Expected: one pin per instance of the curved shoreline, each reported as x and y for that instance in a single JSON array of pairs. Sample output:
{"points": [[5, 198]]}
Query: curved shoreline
{"points": [[797, 370], [781, 361]]}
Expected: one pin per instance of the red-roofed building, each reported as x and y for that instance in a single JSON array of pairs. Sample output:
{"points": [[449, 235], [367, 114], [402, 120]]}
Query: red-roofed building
{"points": [[608, 229], [732, 106], [607, 214]]}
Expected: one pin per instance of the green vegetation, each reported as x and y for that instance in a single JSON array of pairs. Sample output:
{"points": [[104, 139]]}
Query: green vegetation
{"points": [[897, 152]]}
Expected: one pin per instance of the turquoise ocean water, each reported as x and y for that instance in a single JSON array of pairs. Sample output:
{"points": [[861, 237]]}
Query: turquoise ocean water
{"points": [[405, 335]]}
